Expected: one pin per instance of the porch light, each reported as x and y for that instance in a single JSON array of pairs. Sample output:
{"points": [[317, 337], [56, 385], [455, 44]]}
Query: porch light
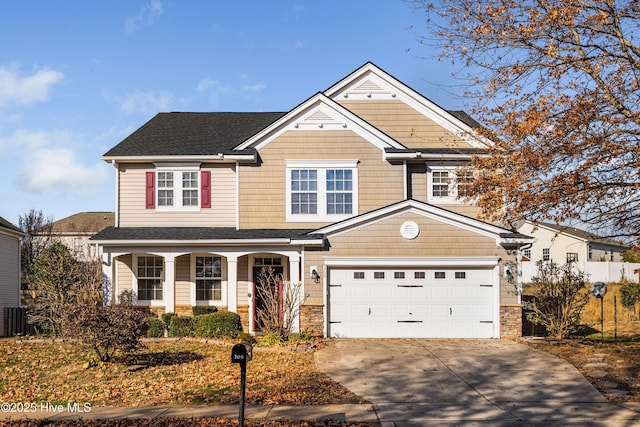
{"points": [[315, 276]]}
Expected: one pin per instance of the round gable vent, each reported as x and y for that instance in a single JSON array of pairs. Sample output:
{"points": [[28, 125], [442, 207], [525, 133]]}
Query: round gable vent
{"points": [[409, 230]]}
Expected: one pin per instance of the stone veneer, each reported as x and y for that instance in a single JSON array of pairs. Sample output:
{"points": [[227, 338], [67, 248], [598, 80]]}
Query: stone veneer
{"points": [[312, 319], [511, 321]]}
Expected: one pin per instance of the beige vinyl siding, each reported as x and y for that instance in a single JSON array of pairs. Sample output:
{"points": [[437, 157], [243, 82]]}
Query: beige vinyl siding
{"points": [[243, 280], [124, 264], [263, 188], [436, 239], [404, 124], [418, 188], [183, 280], [9, 274], [132, 200]]}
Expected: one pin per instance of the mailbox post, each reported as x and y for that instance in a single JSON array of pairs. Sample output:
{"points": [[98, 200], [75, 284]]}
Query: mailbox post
{"points": [[241, 354]]}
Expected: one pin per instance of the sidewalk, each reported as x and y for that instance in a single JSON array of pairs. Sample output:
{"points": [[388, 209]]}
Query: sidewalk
{"points": [[347, 413]]}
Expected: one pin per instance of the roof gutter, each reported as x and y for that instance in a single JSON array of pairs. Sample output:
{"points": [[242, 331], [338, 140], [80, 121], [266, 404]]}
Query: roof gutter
{"points": [[220, 157], [419, 155]]}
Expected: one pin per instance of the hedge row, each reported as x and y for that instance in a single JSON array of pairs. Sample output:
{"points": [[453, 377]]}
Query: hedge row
{"points": [[212, 325]]}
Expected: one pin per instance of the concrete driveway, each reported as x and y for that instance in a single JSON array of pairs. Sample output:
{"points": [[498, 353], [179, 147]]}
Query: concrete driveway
{"points": [[420, 382]]}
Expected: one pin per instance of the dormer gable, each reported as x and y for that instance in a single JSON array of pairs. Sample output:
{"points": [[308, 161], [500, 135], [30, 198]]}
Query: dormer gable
{"points": [[320, 113]]}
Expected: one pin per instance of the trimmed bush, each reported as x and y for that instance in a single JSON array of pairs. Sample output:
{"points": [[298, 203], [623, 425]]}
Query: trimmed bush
{"points": [[156, 328], [105, 329], [217, 325], [181, 326], [199, 310], [244, 336]]}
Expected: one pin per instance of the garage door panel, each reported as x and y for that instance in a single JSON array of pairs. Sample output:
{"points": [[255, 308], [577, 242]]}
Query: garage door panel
{"points": [[392, 302]]}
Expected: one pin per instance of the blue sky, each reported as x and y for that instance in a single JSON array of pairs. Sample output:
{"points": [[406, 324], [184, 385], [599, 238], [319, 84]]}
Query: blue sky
{"points": [[77, 77]]}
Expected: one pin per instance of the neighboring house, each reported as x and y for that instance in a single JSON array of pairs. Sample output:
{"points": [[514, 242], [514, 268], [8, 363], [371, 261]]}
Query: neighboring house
{"points": [[562, 244], [9, 268], [352, 193], [74, 231]]}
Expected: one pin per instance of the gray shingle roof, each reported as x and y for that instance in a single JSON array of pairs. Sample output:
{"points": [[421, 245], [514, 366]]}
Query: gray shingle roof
{"points": [[199, 233], [586, 235], [10, 227], [192, 134]]}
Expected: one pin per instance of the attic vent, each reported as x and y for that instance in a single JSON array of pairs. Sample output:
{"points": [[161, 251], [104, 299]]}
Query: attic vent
{"points": [[409, 230], [319, 116], [369, 86]]}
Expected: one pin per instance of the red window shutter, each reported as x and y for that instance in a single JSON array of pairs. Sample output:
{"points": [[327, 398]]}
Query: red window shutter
{"points": [[205, 188], [151, 190]]}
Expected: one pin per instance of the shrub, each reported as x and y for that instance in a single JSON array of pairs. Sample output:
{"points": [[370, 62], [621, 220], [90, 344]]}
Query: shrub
{"points": [[166, 318], [217, 325], [630, 294], [105, 329], [156, 328], [181, 326], [560, 295], [271, 338], [199, 310], [243, 336]]}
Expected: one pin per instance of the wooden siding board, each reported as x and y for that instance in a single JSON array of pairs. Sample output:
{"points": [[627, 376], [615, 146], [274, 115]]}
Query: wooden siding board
{"points": [[183, 280], [133, 212], [263, 189], [9, 275], [404, 124]]}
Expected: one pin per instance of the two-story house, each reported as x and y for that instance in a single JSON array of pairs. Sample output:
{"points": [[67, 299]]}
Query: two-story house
{"points": [[352, 194], [75, 231]]}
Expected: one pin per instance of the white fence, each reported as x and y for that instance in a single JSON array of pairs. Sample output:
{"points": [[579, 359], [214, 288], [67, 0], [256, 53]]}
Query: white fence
{"points": [[597, 271]]}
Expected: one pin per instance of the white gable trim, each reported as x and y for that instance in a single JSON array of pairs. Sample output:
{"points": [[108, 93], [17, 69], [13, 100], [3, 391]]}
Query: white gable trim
{"points": [[320, 113], [419, 208], [370, 82]]}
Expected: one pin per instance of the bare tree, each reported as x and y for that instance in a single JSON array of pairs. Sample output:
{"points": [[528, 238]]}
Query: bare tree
{"points": [[280, 303], [37, 228]]}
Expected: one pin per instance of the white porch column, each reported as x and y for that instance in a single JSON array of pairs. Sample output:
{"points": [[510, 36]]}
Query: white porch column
{"points": [[232, 284], [294, 280], [169, 291]]}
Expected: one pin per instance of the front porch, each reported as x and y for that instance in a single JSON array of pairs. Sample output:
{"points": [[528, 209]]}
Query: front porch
{"points": [[173, 280]]}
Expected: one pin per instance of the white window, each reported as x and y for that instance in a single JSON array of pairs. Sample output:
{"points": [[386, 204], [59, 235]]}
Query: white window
{"points": [[149, 278], [208, 278], [178, 187], [546, 254], [321, 190], [447, 184]]}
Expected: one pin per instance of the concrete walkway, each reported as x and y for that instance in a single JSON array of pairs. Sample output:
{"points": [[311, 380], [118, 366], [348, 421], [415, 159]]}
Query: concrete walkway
{"points": [[413, 382], [348, 413]]}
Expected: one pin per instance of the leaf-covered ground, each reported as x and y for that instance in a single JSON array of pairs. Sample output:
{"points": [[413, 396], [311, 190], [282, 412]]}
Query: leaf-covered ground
{"points": [[182, 422], [167, 372], [622, 359]]}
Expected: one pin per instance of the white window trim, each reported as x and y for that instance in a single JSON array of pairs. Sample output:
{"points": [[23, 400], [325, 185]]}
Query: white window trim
{"points": [[223, 281], [134, 283], [322, 166], [453, 187], [177, 170]]}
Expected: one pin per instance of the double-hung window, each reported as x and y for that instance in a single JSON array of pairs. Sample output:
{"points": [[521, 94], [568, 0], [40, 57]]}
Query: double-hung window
{"points": [[182, 187], [447, 184], [321, 190], [149, 278], [208, 278]]}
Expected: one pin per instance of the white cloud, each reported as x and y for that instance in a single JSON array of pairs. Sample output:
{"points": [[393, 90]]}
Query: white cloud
{"points": [[26, 89], [51, 162], [148, 16], [148, 103], [58, 170], [255, 88]]}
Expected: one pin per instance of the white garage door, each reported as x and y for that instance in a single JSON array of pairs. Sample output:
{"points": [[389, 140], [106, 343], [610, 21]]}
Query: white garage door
{"points": [[411, 303]]}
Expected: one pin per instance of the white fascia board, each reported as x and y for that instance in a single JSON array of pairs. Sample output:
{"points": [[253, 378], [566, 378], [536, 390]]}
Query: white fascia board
{"points": [[556, 231], [180, 158], [417, 155], [308, 242], [199, 243], [491, 261], [428, 211], [399, 90], [339, 114]]}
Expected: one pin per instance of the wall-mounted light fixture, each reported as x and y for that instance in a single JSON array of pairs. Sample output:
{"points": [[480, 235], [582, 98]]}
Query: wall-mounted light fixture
{"points": [[314, 275]]}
